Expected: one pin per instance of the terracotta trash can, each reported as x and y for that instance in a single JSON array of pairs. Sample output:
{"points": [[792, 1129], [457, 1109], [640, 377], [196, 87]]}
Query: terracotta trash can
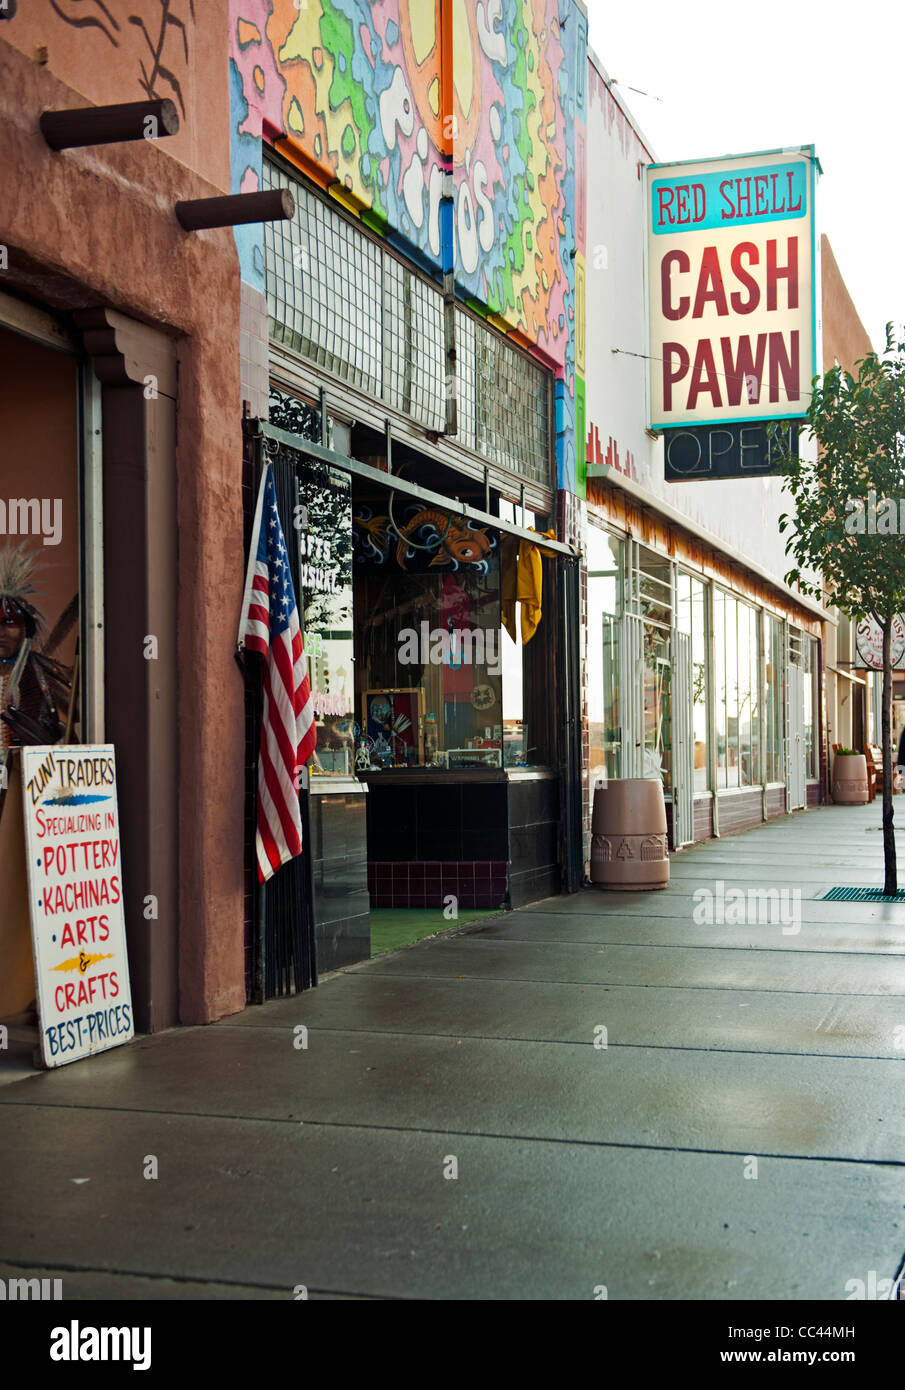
{"points": [[629, 849], [850, 779]]}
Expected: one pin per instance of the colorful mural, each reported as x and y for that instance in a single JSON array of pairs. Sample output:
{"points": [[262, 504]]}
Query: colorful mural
{"points": [[355, 94]]}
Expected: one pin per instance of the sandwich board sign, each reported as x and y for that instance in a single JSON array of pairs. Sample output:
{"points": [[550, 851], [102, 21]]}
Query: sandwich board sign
{"points": [[78, 932]]}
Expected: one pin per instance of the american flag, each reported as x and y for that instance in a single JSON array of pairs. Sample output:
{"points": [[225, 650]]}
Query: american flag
{"points": [[270, 625]]}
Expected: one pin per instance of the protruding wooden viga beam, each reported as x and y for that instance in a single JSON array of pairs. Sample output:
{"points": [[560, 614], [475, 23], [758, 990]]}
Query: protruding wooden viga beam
{"points": [[109, 125], [270, 205]]}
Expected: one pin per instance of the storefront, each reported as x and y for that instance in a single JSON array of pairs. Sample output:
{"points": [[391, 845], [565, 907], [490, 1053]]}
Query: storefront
{"points": [[699, 675], [413, 453], [120, 407], [50, 659], [441, 776]]}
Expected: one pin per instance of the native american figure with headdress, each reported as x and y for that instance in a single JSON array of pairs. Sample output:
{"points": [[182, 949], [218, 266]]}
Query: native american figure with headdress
{"points": [[34, 688]]}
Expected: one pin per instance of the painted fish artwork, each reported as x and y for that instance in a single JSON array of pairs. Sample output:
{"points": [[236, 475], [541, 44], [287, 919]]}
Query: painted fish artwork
{"points": [[427, 538]]}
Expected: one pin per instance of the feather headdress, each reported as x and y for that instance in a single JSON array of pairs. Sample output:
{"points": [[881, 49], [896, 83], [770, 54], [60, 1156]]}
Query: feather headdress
{"points": [[17, 585]]}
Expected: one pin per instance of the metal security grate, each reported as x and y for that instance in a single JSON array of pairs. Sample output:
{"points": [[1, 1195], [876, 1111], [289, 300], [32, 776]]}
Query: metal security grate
{"points": [[323, 282], [413, 325], [863, 895], [513, 407], [465, 379], [340, 299]]}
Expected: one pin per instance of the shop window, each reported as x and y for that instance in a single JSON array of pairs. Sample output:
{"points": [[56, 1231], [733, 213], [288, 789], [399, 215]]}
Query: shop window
{"points": [[606, 568], [774, 700], [653, 579], [691, 617], [322, 523], [439, 682], [428, 652], [737, 691], [652, 591]]}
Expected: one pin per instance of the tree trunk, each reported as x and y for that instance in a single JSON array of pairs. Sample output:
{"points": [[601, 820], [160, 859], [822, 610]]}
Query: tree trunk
{"points": [[890, 885]]}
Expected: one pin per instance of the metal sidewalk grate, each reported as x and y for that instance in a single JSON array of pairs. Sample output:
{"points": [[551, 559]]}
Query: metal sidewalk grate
{"points": [[863, 895]]}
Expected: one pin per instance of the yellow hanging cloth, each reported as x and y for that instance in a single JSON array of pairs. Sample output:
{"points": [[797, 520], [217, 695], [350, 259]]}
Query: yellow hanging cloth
{"points": [[521, 581], [530, 588]]}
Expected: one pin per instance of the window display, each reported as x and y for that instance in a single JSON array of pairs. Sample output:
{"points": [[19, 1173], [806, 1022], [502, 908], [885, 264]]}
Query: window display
{"points": [[737, 691], [323, 519], [428, 638]]}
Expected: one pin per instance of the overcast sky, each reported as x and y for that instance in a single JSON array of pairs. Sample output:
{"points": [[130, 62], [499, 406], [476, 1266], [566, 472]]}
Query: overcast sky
{"points": [[733, 78]]}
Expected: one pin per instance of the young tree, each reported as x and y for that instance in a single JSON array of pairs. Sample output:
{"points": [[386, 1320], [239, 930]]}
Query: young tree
{"points": [[845, 536]]}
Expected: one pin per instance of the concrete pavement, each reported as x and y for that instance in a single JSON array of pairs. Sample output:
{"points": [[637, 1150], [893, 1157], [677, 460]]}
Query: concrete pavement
{"points": [[455, 1127]]}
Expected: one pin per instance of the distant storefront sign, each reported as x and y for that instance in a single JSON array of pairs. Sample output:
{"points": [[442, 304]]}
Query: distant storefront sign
{"points": [[76, 900], [869, 643], [732, 292]]}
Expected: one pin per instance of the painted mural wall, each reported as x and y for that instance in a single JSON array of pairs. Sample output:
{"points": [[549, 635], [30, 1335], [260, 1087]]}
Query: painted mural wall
{"points": [[742, 513], [449, 126]]}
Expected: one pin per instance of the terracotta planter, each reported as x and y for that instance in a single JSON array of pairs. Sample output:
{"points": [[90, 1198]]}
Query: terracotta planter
{"points": [[628, 835], [850, 779]]}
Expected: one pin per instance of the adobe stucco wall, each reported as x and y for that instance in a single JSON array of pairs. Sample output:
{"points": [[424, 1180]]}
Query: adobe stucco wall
{"points": [[118, 52], [95, 227]]}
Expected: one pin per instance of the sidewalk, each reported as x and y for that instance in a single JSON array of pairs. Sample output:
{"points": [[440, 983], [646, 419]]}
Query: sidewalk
{"points": [[629, 1166]]}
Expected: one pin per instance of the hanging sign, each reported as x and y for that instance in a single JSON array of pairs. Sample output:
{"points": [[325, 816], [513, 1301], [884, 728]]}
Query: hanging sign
{"points": [[726, 451], [75, 899], [732, 295], [869, 643]]}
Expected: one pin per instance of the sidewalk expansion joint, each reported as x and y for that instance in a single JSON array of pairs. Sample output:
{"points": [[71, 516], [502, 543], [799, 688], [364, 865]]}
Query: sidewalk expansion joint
{"points": [[562, 1141], [193, 1279], [622, 984], [359, 1032]]}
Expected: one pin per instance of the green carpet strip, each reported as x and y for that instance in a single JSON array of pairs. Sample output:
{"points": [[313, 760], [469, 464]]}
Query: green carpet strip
{"points": [[863, 895]]}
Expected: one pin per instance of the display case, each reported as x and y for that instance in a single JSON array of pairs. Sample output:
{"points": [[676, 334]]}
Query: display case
{"points": [[392, 725]]}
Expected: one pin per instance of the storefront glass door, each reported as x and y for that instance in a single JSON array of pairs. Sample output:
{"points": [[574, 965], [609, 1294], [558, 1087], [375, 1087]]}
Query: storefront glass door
{"points": [[657, 704], [682, 741]]}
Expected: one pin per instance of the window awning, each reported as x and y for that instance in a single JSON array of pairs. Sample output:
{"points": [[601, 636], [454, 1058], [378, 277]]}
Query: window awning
{"points": [[392, 483]]}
